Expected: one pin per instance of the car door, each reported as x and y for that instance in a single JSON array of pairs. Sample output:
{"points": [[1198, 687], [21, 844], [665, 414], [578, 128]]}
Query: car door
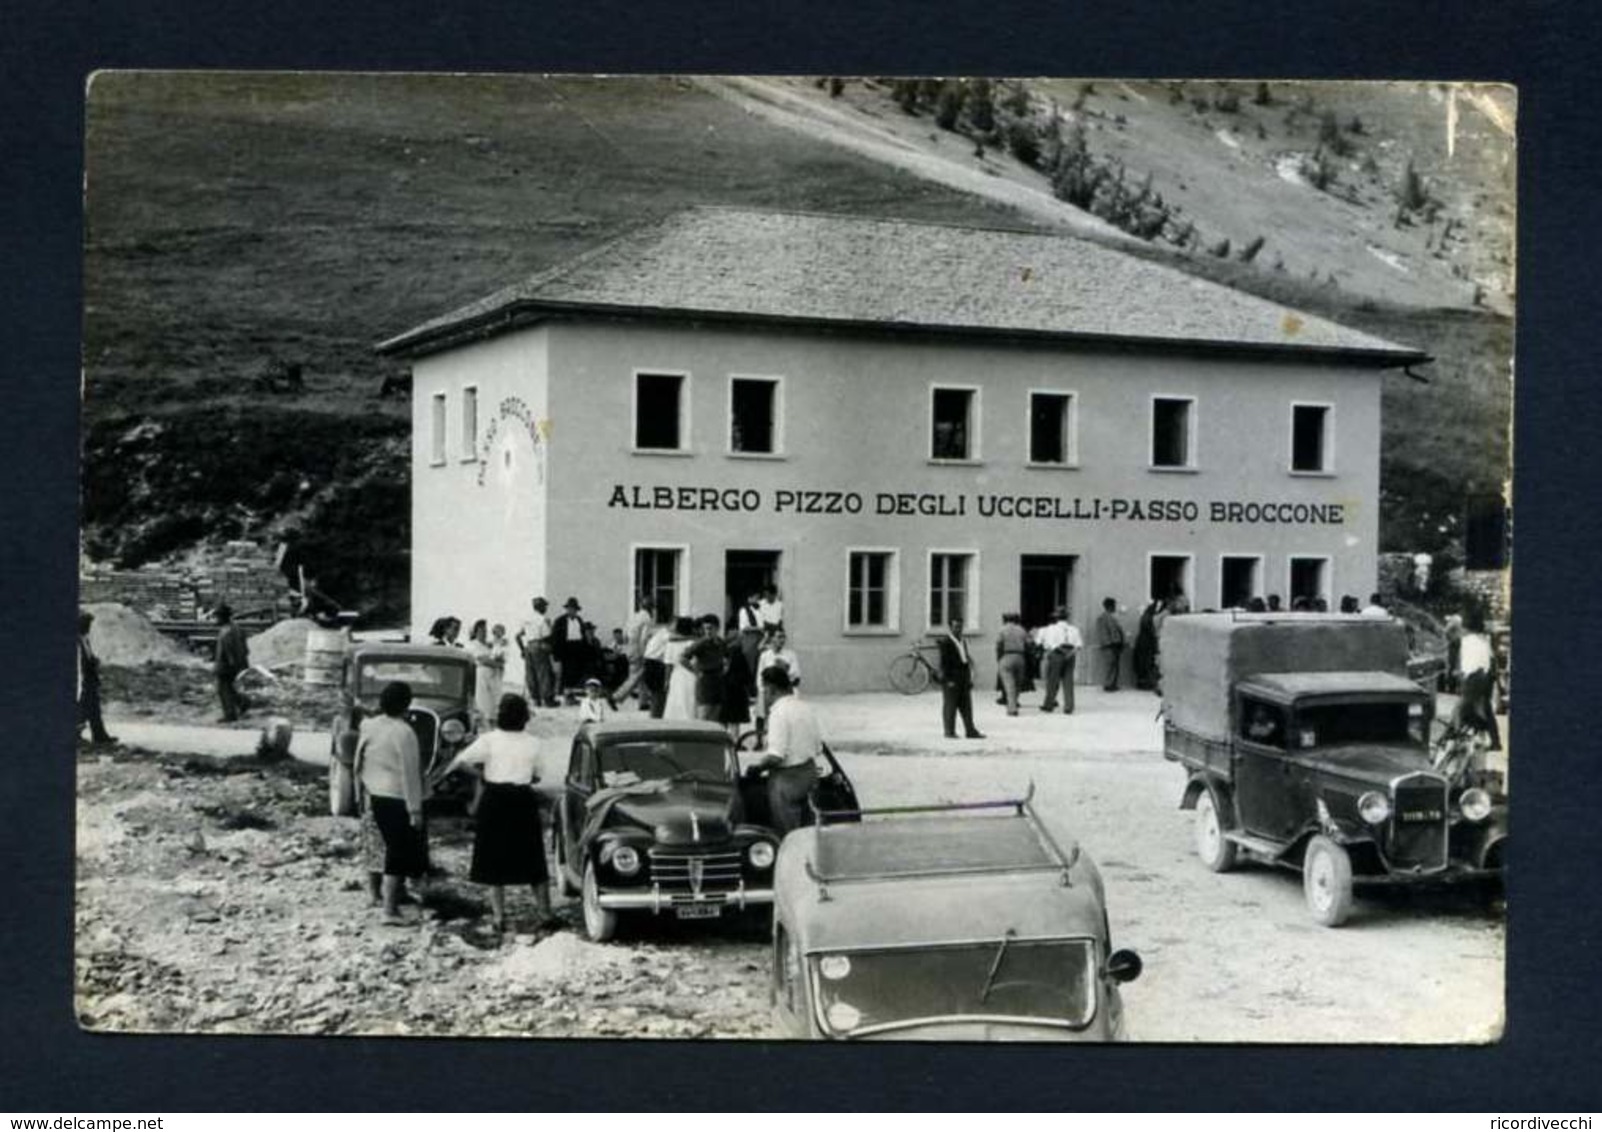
{"points": [[576, 791], [834, 791], [1266, 783]]}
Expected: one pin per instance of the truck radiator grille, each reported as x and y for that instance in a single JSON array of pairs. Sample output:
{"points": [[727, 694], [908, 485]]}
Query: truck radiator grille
{"points": [[1418, 823], [689, 873]]}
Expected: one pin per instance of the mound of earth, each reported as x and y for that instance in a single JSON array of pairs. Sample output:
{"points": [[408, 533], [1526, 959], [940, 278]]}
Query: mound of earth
{"points": [[283, 643], [122, 636]]}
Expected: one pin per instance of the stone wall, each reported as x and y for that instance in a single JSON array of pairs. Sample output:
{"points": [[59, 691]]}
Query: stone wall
{"points": [[240, 573]]}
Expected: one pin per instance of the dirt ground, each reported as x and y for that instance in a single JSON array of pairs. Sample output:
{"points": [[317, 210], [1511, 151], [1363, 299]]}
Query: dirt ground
{"points": [[216, 895]]}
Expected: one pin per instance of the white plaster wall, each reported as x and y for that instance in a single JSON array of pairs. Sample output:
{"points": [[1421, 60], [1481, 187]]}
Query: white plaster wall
{"points": [[479, 519], [856, 418]]}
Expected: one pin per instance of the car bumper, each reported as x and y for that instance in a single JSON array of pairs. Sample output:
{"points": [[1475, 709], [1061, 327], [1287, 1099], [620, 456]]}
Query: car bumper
{"points": [[655, 900]]}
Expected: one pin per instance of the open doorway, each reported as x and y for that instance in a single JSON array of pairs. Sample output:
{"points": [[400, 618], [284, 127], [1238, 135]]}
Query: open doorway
{"points": [[1168, 576], [746, 572], [1239, 580], [1045, 583]]}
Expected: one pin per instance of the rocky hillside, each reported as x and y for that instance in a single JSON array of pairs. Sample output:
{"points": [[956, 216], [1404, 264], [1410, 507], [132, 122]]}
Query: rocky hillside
{"points": [[250, 236]]}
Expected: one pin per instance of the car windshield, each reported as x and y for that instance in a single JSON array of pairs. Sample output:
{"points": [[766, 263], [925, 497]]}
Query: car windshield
{"points": [[625, 763], [1049, 981], [431, 679], [1333, 725]]}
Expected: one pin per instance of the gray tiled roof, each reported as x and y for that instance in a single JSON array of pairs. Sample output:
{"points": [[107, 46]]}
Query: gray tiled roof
{"points": [[815, 268]]}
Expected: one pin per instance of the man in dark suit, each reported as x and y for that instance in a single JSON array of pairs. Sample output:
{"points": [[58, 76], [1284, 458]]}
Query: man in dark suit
{"points": [[956, 682]]}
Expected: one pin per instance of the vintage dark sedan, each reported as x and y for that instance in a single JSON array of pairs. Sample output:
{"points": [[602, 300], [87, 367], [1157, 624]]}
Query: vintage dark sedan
{"points": [[656, 819], [965, 922], [441, 714]]}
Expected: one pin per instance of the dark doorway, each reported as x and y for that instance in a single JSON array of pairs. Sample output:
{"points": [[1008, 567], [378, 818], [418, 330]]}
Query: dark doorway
{"points": [[1309, 579], [1045, 583], [746, 572], [1239, 581], [1170, 576]]}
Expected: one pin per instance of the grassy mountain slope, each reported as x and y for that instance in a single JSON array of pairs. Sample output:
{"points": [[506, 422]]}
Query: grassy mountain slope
{"points": [[236, 222]]}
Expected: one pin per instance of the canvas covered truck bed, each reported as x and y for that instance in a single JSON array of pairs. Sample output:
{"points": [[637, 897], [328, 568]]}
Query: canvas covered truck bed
{"points": [[1204, 655]]}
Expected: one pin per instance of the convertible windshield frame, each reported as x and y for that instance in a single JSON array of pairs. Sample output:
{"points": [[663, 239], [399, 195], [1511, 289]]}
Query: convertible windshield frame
{"points": [[986, 950]]}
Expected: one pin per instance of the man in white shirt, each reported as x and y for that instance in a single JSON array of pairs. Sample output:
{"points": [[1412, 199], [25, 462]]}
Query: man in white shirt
{"points": [[534, 639], [636, 630], [781, 654], [748, 618], [1060, 641], [771, 610], [1475, 659], [794, 742], [654, 663]]}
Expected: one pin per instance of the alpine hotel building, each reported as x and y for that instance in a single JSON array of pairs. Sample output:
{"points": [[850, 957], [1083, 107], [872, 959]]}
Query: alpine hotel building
{"points": [[893, 422]]}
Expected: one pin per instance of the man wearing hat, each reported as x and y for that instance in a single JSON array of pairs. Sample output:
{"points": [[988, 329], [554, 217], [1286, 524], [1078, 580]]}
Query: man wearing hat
{"points": [[233, 657], [567, 648]]}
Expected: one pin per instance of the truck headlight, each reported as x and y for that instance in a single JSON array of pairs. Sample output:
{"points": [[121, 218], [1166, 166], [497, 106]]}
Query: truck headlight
{"points": [[1374, 808], [1475, 804], [761, 855], [452, 731], [626, 860]]}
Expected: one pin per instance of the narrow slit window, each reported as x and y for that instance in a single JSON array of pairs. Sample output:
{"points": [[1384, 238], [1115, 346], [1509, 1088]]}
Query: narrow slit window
{"points": [[753, 415], [1051, 428], [1171, 423], [1310, 438], [659, 411], [952, 431], [469, 422], [437, 428]]}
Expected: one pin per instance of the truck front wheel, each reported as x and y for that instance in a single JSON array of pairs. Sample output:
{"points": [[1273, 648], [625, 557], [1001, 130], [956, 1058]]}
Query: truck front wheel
{"points": [[1216, 851], [1327, 881]]}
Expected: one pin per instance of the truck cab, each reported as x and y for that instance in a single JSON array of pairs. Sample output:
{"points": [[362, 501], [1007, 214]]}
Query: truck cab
{"points": [[1306, 745]]}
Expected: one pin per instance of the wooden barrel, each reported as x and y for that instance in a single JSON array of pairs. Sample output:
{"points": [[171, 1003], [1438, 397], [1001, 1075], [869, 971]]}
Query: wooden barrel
{"points": [[325, 655]]}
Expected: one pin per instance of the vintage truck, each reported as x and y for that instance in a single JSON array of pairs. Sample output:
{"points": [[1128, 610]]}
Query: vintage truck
{"points": [[1306, 745]]}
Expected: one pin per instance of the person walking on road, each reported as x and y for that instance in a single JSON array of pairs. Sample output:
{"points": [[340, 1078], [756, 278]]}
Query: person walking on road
{"points": [[654, 669], [636, 631], [1475, 709], [1012, 658], [389, 767], [1061, 643], [956, 683], [233, 657], [1110, 640], [89, 684]]}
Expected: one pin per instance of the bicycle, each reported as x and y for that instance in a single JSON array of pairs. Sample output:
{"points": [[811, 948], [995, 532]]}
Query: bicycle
{"points": [[911, 672]]}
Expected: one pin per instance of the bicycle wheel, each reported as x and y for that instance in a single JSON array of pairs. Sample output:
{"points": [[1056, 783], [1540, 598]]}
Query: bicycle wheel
{"points": [[909, 675]]}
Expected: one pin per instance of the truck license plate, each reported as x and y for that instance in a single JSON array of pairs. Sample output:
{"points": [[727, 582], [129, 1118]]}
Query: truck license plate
{"points": [[698, 911]]}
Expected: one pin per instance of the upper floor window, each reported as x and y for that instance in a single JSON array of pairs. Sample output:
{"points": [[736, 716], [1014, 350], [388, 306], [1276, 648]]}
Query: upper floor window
{"points": [[1051, 428], [954, 423], [470, 422], [437, 428], [660, 414], [1173, 432], [754, 426], [1310, 439]]}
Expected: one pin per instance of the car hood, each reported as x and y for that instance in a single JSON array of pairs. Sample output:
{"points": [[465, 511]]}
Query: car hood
{"points": [[1369, 762], [687, 813]]}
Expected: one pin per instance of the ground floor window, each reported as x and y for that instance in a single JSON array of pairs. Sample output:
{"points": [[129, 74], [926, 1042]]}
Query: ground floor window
{"points": [[659, 575], [870, 589], [1168, 576], [1309, 579], [1240, 578], [950, 588]]}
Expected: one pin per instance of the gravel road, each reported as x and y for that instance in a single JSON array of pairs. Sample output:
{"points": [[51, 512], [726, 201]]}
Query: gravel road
{"points": [[214, 894]]}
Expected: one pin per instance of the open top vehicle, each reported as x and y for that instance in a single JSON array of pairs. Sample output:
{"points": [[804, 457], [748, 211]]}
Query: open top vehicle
{"points": [[441, 679], [966, 922], [656, 818], [1306, 745]]}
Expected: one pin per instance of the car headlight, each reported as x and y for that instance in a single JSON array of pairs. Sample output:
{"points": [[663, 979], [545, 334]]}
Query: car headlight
{"points": [[453, 731], [1374, 807], [1475, 804], [761, 855], [626, 860]]}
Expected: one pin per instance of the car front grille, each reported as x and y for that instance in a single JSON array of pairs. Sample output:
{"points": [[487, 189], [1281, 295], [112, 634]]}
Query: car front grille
{"points": [[1418, 823], [691, 873]]}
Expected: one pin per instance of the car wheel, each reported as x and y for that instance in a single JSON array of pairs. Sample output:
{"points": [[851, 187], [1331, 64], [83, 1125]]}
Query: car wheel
{"points": [[600, 924], [1216, 851], [1327, 881]]}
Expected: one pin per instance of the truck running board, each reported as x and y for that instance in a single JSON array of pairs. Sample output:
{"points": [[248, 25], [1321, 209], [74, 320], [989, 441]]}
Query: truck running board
{"points": [[1258, 845]]}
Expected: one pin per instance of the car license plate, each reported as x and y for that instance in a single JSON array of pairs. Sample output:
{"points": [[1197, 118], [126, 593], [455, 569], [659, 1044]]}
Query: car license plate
{"points": [[698, 911]]}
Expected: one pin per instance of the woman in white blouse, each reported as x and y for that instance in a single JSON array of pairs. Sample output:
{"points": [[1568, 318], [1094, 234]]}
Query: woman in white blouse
{"points": [[508, 847]]}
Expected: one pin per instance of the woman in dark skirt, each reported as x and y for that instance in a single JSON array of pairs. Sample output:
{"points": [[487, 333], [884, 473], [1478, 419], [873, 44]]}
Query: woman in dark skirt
{"points": [[508, 847]]}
